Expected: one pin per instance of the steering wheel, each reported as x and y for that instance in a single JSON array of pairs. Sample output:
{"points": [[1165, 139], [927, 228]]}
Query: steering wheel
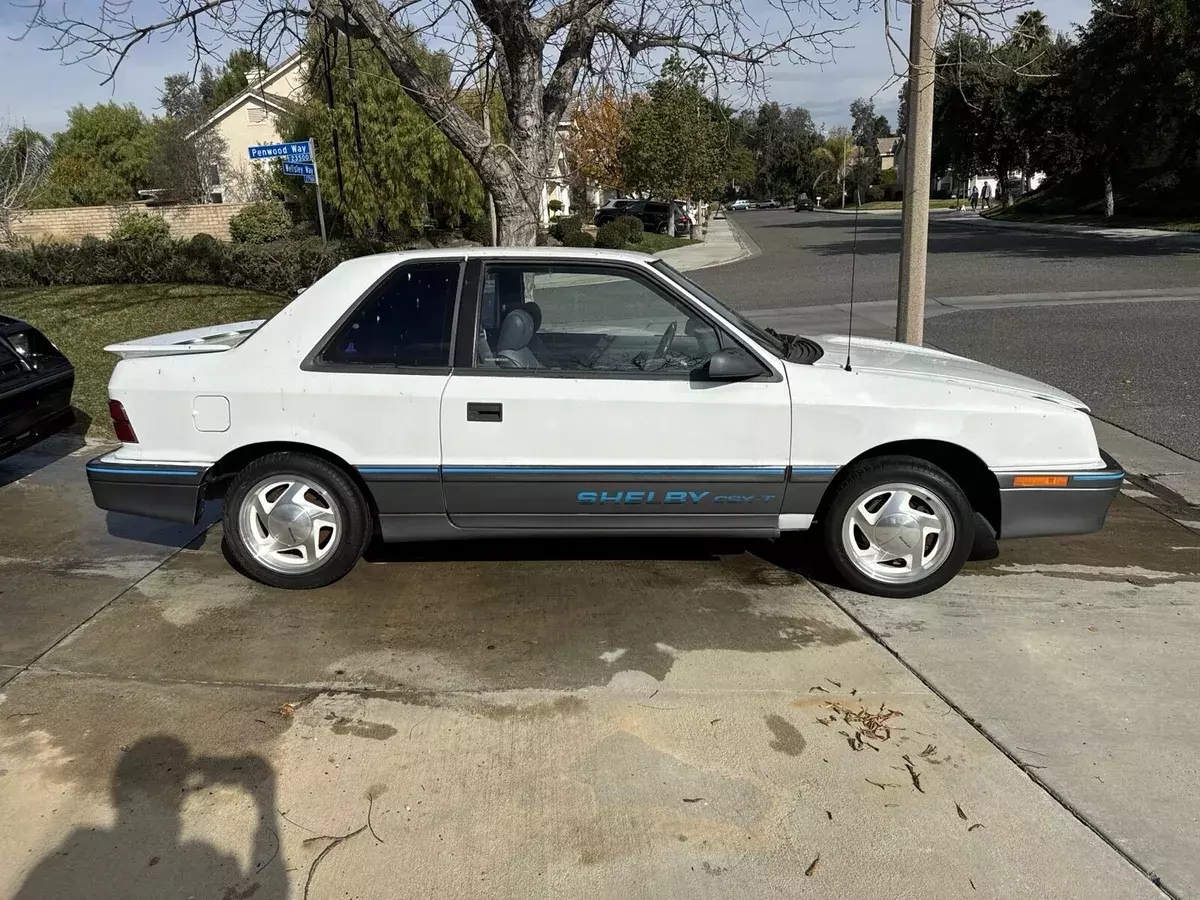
{"points": [[665, 344]]}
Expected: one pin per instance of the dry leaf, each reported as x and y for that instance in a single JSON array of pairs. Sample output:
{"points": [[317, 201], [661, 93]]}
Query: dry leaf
{"points": [[962, 815], [812, 866], [976, 825], [287, 710]]}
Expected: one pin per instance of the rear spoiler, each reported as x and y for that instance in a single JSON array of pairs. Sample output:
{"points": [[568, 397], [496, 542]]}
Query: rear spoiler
{"points": [[213, 339]]}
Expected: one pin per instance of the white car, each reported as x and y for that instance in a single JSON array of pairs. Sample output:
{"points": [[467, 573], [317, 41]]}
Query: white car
{"points": [[526, 392], [737, 205]]}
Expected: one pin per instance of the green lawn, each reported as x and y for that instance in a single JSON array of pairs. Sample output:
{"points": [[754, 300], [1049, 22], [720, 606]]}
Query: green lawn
{"points": [[1163, 223], [656, 243], [83, 320]]}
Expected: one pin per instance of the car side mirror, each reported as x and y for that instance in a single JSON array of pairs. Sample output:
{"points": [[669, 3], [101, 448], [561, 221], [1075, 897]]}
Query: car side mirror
{"points": [[732, 365]]}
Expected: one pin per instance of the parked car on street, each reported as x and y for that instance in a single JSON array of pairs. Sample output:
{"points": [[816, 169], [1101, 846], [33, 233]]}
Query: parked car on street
{"points": [[737, 205], [476, 392], [654, 214], [611, 210], [36, 381], [769, 204], [803, 203]]}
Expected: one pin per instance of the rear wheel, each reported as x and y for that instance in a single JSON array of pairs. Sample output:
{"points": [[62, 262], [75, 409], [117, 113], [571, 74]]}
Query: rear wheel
{"points": [[898, 527], [295, 521]]}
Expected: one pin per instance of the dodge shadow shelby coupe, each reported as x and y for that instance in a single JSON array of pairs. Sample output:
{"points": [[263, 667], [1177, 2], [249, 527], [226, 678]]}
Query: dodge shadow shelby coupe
{"points": [[488, 392]]}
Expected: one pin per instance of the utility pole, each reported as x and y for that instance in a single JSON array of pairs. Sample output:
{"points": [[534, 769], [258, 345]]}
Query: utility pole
{"points": [[918, 150]]}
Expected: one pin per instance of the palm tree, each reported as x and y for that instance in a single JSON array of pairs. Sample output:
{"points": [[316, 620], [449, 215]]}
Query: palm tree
{"points": [[1031, 30]]}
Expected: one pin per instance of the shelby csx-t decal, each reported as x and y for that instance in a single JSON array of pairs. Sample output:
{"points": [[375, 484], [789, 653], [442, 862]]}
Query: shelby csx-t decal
{"points": [[668, 498]]}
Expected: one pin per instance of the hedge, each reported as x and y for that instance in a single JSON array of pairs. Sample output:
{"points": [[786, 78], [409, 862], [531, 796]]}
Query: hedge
{"points": [[611, 235], [280, 267]]}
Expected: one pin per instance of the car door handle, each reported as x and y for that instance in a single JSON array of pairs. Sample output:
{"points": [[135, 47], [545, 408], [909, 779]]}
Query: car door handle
{"points": [[485, 412]]}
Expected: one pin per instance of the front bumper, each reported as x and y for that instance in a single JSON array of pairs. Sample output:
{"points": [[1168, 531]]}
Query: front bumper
{"points": [[170, 491], [1079, 507]]}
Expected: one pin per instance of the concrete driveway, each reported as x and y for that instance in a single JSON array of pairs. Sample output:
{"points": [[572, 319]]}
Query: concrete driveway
{"points": [[580, 719]]}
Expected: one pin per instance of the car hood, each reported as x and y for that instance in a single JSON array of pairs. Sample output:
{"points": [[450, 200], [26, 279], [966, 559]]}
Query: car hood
{"points": [[891, 357]]}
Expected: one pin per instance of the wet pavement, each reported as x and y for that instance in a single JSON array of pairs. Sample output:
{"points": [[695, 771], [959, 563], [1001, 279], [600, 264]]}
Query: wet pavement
{"points": [[584, 718]]}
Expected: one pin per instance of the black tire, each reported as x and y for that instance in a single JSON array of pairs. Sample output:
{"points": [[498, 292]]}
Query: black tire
{"points": [[356, 528], [880, 471], [662, 229]]}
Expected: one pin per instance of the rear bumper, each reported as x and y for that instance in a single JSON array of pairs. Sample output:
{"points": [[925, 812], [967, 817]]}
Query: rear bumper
{"points": [[157, 490], [1077, 508]]}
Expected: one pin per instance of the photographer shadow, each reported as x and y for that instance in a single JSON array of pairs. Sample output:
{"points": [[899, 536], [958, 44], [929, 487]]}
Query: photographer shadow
{"points": [[143, 856]]}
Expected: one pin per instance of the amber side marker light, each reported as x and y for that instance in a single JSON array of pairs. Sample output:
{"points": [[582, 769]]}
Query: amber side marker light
{"points": [[1040, 480]]}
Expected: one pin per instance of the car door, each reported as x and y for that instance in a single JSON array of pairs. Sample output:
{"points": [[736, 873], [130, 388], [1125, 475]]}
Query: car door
{"points": [[603, 419], [371, 391]]}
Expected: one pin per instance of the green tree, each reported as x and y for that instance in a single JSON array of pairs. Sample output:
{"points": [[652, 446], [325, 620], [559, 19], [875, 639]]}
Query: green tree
{"points": [[781, 139], [233, 78], [102, 157], [383, 167], [678, 143]]}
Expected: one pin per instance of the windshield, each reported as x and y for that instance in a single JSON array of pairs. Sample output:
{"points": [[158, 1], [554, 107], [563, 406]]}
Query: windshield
{"points": [[768, 340]]}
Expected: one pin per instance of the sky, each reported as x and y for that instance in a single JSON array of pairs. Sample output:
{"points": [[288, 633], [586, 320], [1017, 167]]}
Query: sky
{"points": [[36, 88]]}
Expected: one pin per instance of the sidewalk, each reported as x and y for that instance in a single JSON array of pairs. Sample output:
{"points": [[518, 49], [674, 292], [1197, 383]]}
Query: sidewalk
{"points": [[724, 243]]}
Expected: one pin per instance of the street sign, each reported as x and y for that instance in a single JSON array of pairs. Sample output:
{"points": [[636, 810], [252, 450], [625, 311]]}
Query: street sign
{"points": [[294, 151], [297, 157]]}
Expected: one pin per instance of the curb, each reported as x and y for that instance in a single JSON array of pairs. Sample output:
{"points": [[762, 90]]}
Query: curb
{"points": [[1114, 233], [749, 248]]}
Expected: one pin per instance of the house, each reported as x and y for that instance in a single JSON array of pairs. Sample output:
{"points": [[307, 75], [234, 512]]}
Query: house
{"points": [[252, 118], [887, 152], [954, 184]]}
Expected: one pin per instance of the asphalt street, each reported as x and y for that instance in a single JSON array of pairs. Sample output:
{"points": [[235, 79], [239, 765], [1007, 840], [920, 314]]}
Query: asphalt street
{"points": [[806, 260], [1136, 364]]}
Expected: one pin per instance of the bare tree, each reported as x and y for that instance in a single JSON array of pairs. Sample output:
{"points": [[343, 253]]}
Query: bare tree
{"points": [[24, 167], [542, 53]]}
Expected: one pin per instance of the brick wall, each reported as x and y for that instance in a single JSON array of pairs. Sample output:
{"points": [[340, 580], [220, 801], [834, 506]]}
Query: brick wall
{"points": [[72, 223]]}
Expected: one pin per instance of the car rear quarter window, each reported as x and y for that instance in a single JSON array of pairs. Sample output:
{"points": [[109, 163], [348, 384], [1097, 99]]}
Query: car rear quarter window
{"points": [[11, 370], [406, 321]]}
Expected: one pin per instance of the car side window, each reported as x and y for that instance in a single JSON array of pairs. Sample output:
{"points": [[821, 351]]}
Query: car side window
{"points": [[11, 369], [589, 319], [406, 320]]}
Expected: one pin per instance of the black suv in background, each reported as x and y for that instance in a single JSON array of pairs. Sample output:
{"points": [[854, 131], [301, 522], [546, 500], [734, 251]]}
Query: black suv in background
{"points": [[35, 386], [653, 213]]}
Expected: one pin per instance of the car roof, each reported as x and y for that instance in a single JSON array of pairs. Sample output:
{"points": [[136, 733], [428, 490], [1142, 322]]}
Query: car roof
{"points": [[575, 254]]}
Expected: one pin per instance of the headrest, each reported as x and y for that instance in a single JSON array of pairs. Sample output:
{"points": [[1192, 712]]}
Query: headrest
{"points": [[516, 331]]}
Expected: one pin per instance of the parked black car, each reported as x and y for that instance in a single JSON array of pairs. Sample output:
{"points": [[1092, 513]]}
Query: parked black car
{"points": [[653, 213], [36, 380], [611, 210], [803, 203]]}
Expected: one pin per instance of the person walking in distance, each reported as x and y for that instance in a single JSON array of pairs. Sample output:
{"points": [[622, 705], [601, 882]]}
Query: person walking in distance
{"points": [[986, 195], [974, 197]]}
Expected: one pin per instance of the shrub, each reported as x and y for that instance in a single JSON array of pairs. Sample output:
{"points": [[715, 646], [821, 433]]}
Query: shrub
{"points": [[555, 206], [635, 237], [479, 231], [875, 193], [632, 225], [577, 239], [612, 236], [564, 225], [260, 223], [132, 226]]}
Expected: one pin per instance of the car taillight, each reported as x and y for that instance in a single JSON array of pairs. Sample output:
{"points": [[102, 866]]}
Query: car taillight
{"points": [[685, 220], [121, 424]]}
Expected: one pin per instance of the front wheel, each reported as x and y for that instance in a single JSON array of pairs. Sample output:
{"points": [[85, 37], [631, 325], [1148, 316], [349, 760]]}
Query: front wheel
{"points": [[898, 527], [295, 521]]}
